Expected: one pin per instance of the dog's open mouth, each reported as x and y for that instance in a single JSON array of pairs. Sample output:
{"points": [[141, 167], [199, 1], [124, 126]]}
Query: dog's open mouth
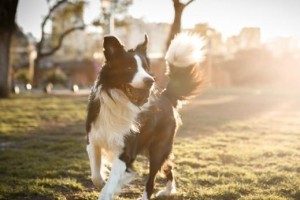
{"points": [[138, 96]]}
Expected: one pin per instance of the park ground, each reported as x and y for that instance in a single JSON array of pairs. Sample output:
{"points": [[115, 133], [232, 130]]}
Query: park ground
{"points": [[234, 144]]}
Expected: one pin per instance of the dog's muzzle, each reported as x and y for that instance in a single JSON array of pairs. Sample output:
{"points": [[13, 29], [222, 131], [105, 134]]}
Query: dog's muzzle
{"points": [[139, 96]]}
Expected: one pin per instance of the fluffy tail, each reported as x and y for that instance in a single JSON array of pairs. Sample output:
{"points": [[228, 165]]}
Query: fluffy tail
{"points": [[183, 58]]}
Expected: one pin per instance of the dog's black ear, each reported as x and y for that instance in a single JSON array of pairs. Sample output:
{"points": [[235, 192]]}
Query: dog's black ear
{"points": [[142, 48], [112, 46]]}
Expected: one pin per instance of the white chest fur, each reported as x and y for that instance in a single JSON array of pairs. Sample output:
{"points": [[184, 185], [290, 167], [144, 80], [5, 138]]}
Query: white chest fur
{"points": [[116, 118]]}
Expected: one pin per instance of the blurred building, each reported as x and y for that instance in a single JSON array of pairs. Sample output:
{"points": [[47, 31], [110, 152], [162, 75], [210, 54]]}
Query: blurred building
{"points": [[215, 44], [232, 44], [248, 38], [133, 33], [285, 47]]}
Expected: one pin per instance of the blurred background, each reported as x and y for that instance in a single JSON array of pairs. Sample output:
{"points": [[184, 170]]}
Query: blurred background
{"points": [[249, 43], [239, 139]]}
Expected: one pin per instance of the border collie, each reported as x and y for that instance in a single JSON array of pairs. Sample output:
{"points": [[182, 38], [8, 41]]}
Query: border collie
{"points": [[127, 115]]}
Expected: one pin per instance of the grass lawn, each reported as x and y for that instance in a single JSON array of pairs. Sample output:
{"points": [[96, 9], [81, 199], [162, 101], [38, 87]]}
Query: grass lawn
{"points": [[234, 144]]}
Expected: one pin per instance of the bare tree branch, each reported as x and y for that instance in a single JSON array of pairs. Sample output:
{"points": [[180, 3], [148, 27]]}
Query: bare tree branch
{"points": [[190, 1], [40, 45], [178, 3], [51, 10], [60, 41]]}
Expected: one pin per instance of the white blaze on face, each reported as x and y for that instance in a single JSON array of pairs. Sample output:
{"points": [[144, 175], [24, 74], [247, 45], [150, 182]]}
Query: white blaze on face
{"points": [[141, 74]]}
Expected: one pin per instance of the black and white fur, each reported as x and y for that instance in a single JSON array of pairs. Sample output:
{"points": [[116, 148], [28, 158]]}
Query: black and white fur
{"points": [[126, 116]]}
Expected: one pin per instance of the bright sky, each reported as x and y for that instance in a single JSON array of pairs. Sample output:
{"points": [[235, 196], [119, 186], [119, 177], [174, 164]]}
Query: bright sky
{"points": [[274, 17]]}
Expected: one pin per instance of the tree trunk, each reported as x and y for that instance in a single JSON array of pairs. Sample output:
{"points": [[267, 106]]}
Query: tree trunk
{"points": [[8, 10], [176, 26], [35, 80], [5, 78]]}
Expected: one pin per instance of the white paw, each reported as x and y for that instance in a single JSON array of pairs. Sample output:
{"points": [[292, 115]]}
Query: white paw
{"points": [[98, 182], [165, 192], [127, 178], [169, 190]]}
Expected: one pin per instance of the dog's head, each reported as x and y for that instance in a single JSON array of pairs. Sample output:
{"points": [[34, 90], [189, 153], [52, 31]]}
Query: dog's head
{"points": [[127, 70]]}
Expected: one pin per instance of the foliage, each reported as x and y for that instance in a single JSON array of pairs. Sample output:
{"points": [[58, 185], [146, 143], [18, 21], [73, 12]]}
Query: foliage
{"points": [[121, 6], [22, 75], [56, 77], [234, 144], [120, 11]]}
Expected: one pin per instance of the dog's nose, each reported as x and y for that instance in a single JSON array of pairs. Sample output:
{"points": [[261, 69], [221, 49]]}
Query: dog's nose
{"points": [[148, 81]]}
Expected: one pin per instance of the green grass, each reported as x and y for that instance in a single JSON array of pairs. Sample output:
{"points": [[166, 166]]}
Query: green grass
{"points": [[234, 144]]}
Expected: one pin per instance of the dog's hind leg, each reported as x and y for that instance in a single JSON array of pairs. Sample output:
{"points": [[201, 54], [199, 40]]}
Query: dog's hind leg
{"points": [[94, 153], [170, 188], [157, 159]]}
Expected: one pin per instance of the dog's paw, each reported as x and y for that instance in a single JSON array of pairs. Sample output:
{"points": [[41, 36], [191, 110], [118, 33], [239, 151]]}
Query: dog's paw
{"points": [[166, 192], [98, 182], [169, 190]]}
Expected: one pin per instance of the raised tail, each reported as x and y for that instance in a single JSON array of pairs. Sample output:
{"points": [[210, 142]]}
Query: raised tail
{"points": [[183, 57]]}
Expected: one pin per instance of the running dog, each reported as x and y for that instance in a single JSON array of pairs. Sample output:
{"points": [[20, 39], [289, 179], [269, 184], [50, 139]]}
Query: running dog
{"points": [[127, 115]]}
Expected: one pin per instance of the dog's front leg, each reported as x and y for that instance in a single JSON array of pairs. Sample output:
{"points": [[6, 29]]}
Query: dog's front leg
{"points": [[112, 185], [94, 153]]}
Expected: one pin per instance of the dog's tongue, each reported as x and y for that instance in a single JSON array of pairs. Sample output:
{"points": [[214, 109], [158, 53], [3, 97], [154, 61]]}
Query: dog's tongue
{"points": [[137, 96], [140, 96]]}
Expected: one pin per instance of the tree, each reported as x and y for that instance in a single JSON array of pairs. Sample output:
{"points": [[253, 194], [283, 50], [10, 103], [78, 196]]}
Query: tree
{"points": [[8, 9], [176, 26], [41, 53]]}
